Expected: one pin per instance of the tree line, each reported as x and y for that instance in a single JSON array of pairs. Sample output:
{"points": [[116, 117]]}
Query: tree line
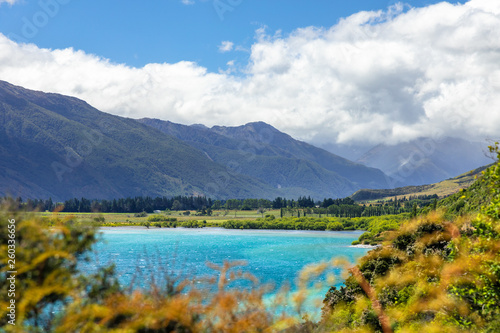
{"points": [[374, 225], [303, 206]]}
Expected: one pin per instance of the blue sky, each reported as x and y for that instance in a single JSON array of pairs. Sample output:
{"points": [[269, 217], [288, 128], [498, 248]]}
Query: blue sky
{"points": [[156, 31], [327, 72]]}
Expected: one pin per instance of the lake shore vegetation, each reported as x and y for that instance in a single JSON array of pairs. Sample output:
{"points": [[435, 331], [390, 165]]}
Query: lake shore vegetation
{"points": [[436, 270]]}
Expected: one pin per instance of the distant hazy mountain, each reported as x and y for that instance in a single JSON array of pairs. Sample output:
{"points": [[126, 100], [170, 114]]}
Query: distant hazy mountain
{"points": [[61, 147], [260, 151], [427, 161], [350, 151]]}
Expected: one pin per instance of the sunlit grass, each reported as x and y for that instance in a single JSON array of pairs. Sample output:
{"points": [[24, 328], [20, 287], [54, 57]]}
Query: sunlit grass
{"points": [[129, 219]]}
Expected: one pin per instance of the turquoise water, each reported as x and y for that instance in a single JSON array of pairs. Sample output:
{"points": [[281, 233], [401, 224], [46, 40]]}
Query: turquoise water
{"points": [[272, 256]]}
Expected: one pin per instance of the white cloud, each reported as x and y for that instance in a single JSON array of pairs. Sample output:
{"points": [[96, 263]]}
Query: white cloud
{"points": [[374, 77], [10, 2], [226, 46], [188, 2]]}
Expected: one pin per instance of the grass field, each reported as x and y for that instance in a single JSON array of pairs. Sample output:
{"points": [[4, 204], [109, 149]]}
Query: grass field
{"points": [[128, 219]]}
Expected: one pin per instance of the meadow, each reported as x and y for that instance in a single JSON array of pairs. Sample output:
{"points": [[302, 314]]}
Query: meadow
{"points": [[374, 226], [130, 219]]}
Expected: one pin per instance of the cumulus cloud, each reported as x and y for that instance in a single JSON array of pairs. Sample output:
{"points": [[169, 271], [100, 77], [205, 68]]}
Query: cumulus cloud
{"points": [[385, 76], [226, 46]]}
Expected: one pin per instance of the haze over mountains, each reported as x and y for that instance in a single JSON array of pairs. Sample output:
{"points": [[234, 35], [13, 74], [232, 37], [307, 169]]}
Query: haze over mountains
{"points": [[61, 147], [427, 161]]}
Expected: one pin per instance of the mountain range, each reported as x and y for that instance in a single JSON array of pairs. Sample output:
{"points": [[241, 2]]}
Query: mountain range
{"points": [[61, 147], [426, 160], [260, 151]]}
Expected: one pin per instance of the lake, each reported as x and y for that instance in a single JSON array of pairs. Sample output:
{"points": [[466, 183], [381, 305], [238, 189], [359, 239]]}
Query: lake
{"points": [[273, 256]]}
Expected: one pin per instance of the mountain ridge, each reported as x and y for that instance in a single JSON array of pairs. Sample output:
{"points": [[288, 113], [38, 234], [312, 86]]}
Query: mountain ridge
{"points": [[259, 150], [426, 160], [94, 154], [307, 151]]}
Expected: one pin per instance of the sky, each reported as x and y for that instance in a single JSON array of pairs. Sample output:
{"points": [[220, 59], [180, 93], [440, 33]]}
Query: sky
{"points": [[323, 71]]}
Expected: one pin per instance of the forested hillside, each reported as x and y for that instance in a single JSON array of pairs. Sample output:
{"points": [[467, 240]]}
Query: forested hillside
{"points": [[260, 151], [60, 147]]}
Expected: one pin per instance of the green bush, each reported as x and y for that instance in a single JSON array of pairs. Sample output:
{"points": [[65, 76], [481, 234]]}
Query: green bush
{"points": [[157, 218], [335, 226]]}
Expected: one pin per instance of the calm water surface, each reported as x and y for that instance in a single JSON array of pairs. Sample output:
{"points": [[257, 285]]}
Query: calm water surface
{"points": [[273, 256]]}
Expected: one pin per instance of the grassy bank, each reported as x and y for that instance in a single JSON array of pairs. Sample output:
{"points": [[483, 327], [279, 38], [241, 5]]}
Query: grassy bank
{"points": [[374, 226]]}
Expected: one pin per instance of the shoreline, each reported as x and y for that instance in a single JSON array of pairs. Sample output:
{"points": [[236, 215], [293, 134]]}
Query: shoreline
{"points": [[233, 229], [363, 246]]}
